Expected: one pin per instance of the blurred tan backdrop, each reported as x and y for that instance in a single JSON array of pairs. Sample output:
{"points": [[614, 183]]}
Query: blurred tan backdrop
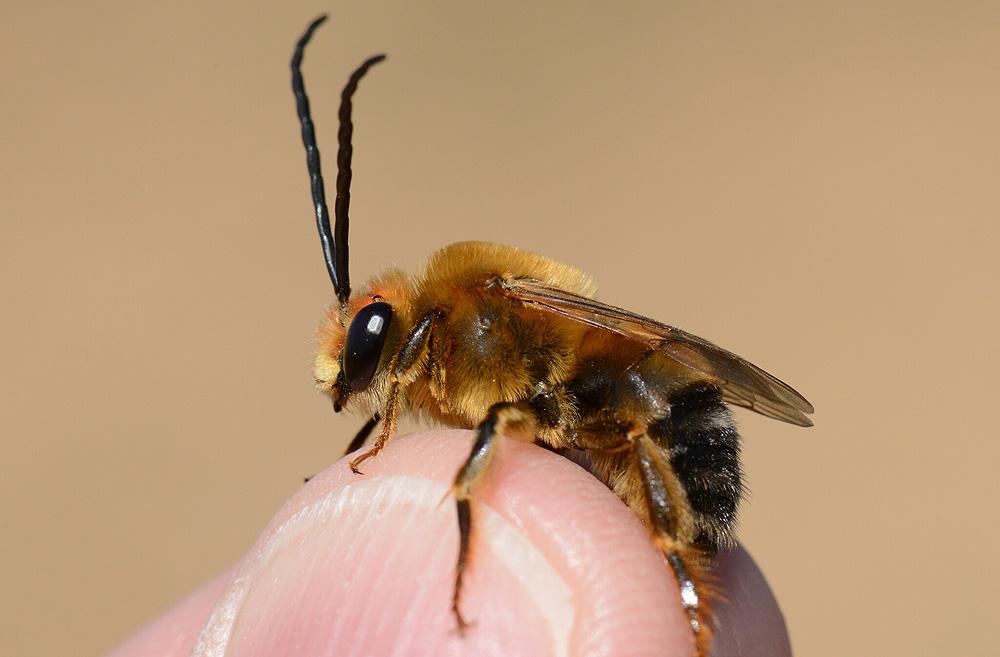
{"points": [[813, 186]]}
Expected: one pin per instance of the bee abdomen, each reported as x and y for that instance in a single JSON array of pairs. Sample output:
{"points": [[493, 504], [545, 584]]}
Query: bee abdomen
{"points": [[704, 450]]}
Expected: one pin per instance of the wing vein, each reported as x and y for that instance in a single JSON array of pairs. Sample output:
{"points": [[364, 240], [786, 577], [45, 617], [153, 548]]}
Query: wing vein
{"points": [[742, 382]]}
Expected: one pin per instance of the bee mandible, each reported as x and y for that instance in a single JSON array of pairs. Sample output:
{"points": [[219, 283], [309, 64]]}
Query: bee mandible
{"points": [[507, 342]]}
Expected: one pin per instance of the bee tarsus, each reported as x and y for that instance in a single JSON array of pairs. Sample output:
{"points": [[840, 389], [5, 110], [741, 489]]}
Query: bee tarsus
{"points": [[689, 596], [464, 539]]}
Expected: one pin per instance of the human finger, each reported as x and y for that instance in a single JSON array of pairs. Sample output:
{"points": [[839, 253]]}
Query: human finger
{"points": [[364, 565]]}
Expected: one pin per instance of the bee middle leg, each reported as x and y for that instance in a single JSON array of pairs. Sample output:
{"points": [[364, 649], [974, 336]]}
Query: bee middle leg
{"points": [[500, 419]]}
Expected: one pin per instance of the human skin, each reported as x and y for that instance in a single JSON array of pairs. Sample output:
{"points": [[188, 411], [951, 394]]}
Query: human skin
{"points": [[363, 565]]}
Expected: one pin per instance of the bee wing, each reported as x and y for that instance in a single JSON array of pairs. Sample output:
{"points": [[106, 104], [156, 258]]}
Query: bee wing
{"points": [[742, 382]]}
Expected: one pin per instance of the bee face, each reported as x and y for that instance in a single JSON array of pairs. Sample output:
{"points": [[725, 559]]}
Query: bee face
{"points": [[357, 342], [354, 347]]}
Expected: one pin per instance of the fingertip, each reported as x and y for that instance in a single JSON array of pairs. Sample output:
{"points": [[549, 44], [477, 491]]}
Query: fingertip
{"points": [[358, 565]]}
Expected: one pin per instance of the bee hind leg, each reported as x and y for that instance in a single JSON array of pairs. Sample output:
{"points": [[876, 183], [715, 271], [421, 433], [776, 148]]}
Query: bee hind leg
{"points": [[673, 529], [500, 419]]}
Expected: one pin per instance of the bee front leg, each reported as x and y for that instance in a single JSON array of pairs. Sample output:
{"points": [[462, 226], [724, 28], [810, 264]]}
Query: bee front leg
{"points": [[405, 367], [672, 523], [500, 419], [388, 427]]}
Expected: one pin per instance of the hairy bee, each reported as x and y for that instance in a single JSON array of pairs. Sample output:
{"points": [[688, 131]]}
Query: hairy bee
{"points": [[508, 342]]}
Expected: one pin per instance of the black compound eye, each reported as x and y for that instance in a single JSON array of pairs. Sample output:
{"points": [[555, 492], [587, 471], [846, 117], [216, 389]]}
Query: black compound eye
{"points": [[365, 338]]}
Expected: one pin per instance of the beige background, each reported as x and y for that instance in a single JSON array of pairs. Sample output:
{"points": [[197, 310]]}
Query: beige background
{"points": [[813, 186]]}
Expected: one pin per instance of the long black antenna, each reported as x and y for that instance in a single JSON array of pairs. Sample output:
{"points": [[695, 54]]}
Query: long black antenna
{"points": [[335, 250]]}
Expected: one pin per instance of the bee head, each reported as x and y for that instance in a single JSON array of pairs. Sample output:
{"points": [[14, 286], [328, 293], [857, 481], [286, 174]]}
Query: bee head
{"points": [[357, 341]]}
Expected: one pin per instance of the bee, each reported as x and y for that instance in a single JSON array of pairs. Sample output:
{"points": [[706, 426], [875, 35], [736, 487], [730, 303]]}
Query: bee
{"points": [[506, 342]]}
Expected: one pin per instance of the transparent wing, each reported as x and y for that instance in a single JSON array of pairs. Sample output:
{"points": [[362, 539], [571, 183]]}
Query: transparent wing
{"points": [[742, 382]]}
